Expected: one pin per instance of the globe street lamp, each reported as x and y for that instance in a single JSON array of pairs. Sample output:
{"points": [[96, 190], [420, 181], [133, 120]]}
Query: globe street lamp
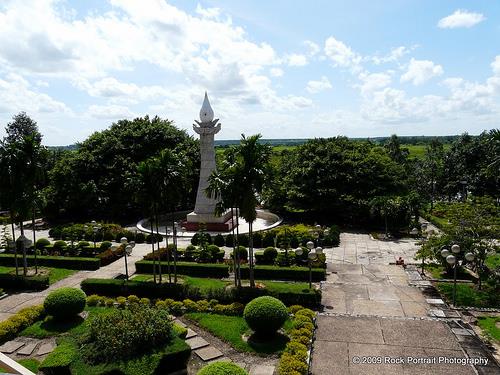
{"points": [[452, 260], [311, 257], [128, 251]]}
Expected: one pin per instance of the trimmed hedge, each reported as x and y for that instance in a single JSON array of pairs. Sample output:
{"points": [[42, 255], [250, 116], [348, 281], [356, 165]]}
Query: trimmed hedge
{"points": [[22, 319], [72, 263], [65, 303], [59, 361], [186, 268], [13, 282], [222, 368], [284, 273], [114, 287]]}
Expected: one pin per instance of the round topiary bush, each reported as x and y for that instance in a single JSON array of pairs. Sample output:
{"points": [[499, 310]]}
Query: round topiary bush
{"points": [[60, 245], [222, 368], [270, 254], [41, 243], [65, 303], [265, 315]]}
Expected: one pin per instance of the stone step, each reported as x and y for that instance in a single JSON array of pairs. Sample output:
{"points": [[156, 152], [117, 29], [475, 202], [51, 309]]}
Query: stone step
{"points": [[46, 348], [208, 353], [191, 333], [28, 349], [197, 342], [11, 346]]}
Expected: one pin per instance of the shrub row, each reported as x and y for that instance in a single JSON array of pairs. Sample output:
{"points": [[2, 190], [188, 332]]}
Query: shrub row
{"points": [[113, 287], [294, 358], [284, 273], [24, 318], [185, 268], [13, 282], [175, 307], [72, 263]]}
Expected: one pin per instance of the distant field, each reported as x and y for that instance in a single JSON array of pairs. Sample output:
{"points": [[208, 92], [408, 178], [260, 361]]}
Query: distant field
{"points": [[416, 151]]}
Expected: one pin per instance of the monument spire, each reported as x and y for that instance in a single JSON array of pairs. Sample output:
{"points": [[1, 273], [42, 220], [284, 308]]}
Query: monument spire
{"points": [[204, 210]]}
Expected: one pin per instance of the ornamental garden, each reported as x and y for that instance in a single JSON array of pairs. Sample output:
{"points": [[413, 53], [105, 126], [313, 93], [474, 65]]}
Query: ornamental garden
{"points": [[158, 302]]}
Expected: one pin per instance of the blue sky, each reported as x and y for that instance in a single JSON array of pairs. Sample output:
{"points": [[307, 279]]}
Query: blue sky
{"points": [[285, 69]]}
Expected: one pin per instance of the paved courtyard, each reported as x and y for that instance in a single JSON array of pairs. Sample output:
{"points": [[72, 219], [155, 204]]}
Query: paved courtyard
{"points": [[373, 319]]}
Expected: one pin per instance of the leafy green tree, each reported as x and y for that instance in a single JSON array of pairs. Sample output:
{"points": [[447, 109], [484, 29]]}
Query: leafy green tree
{"points": [[100, 177], [395, 151]]}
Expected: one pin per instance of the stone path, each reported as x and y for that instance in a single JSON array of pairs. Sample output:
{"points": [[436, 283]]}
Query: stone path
{"points": [[376, 315], [208, 348], [27, 347]]}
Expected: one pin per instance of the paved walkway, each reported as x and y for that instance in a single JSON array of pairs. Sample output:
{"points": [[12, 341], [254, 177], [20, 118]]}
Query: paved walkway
{"points": [[375, 317]]}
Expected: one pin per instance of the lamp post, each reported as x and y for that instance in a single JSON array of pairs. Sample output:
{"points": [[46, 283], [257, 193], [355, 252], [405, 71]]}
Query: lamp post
{"points": [[311, 257], [452, 260], [22, 243], [95, 229], [425, 235], [128, 251]]}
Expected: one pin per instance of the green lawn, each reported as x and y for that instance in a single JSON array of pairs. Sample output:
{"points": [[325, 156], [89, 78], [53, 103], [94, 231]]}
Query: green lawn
{"points": [[204, 284], [468, 295], [55, 274], [30, 363], [489, 326], [232, 328], [284, 287], [49, 327], [493, 261], [438, 272]]}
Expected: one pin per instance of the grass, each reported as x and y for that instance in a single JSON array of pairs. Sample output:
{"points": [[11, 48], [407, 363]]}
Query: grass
{"points": [[231, 330], [467, 295], [30, 363], [489, 326], [493, 261], [286, 287], [50, 327], [204, 284], [438, 272], [55, 274]]}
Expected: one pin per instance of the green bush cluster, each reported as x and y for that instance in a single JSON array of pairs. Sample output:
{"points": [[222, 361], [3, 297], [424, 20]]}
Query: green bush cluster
{"points": [[175, 307], [59, 360], [265, 315], [222, 368], [123, 333], [109, 256], [115, 287], [65, 303], [41, 243], [73, 263], [293, 361], [22, 319]]}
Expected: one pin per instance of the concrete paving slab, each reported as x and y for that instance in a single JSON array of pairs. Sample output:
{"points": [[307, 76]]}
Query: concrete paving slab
{"points": [[349, 329], [27, 349], [382, 293], [385, 354], [261, 370], [354, 291], [46, 348], [330, 358], [462, 331], [414, 309], [377, 308], [418, 333], [434, 301], [11, 346], [191, 333], [437, 313], [197, 342], [208, 353]]}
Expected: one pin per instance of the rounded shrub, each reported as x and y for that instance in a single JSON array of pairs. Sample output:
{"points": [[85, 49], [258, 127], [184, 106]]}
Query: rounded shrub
{"points": [[65, 303], [60, 245], [219, 240], [105, 245], [265, 315], [242, 253], [270, 254], [83, 244], [41, 243], [222, 368], [140, 237]]}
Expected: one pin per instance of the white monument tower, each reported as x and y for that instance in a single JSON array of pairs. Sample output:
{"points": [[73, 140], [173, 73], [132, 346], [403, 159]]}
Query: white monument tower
{"points": [[204, 209]]}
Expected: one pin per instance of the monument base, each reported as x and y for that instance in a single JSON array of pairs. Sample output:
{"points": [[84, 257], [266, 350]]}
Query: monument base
{"points": [[209, 222]]}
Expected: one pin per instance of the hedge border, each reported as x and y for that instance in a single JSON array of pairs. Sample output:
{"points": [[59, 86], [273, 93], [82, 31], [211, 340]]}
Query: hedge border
{"points": [[13, 282], [72, 263], [214, 270], [284, 273]]}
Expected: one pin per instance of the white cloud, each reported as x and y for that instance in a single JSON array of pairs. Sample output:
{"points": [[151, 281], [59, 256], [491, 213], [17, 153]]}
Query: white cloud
{"points": [[461, 18], [495, 65], [420, 71], [373, 82], [207, 12], [109, 112], [17, 95], [296, 59], [317, 86], [394, 56], [312, 47], [340, 54], [276, 72]]}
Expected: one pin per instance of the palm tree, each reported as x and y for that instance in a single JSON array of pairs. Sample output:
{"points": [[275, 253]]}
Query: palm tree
{"points": [[253, 160], [223, 186]]}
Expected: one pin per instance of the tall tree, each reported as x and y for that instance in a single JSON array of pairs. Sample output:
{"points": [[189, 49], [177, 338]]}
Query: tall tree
{"points": [[253, 158]]}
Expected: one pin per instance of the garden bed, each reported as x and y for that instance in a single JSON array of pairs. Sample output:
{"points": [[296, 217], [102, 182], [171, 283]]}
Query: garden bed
{"points": [[74, 263]]}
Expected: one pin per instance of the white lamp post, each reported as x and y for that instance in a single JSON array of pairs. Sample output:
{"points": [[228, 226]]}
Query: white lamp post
{"points": [[453, 261], [128, 251]]}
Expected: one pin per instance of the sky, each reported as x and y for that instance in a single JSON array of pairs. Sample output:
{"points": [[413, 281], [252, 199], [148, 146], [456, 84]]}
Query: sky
{"points": [[284, 69]]}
